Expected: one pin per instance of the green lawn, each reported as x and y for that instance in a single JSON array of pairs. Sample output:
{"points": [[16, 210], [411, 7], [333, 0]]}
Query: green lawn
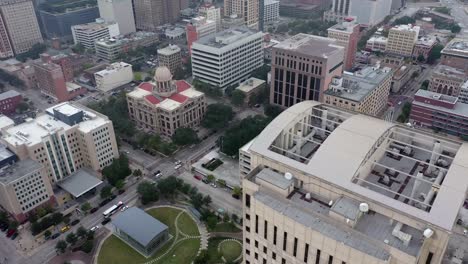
{"points": [[115, 251], [226, 227], [231, 250]]}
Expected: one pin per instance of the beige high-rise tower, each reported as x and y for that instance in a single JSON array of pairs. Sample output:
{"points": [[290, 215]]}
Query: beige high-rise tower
{"points": [[21, 24], [248, 9], [149, 14]]}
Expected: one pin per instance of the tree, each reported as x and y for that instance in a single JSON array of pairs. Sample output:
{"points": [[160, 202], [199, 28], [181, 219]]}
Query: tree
{"points": [[61, 246], [207, 88], [206, 200], [234, 218], [404, 21], [81, 232], [211, 222], [167, 187], [179, 74], [87, 247], [185, 188], [71, 238], [13, 225], [118, 170], [421, 58], [106, 192], [47, 233], [137, 173], [22, 107], [86, 207], [272, 111], [210, 178], [120, 184], [56, 218], [434, 54], [32, 53], [237, 97], [443, 10], [455, 28], [137, 76], [4, 217], [66, 220], [261, 72], [202, 257], [238, 135], [78, 48], [148, 192], [184, 136], [425, 85], [217, 116], [197, 200], [237, 191]]}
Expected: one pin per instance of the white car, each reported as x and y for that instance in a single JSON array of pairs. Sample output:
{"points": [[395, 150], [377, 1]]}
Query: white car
{"points": [[178, 162], [124, 208], [214, 185], [158, 175], [94, 228], [178, 166]]}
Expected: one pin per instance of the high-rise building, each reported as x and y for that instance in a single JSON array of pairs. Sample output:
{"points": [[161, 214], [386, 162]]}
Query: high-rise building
{"points": [[401, 40], [365, 91], [211, 13], [6, 50], [118, 11], [247, 9], [88, 34], [164, 105], [227, 57], [339, 11], [455, 54], [302, 68], [150, 14], [367, 12], [198, 27], [346, 34], [447, 80], [170, 57], [271, 11], [329, 186], [21, 24]]}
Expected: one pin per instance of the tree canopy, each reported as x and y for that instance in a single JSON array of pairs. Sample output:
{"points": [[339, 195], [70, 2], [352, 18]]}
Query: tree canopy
{"points": [[237, 97], [404, 21], [207, 88], [217, 116], [32, 53], [242, 133], [118, 170], [272, 111], [148, 192], [435, 54], [184, 136]]}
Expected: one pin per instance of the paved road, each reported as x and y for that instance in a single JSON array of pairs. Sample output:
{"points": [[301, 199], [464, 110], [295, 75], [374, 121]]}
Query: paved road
{"points": [[458, 12]]}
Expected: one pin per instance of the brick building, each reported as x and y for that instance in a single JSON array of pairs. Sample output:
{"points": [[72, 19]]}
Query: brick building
{"points": [[9, 100]]}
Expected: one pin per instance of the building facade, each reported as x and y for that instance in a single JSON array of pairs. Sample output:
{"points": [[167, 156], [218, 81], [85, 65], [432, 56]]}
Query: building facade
{"points": [[248, 10], [6, 50], [199, 27], [88, 34], [455, 54], [9, 100], [109, 49], [21, 24], [211, 13], [365, 91], [120, 12], [339, 11], [170, 57], [323, 188], [271, 11], [347, 35], [164, 105], [377, 43], [115, 75], [302, 68], [463, 96], [150, 14], [370, 12], [423, 47], [401, 40], [227, 57], [447, 80]]}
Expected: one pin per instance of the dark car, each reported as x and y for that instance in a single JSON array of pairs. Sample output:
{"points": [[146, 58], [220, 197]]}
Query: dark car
{"points": [[11, 232], [121, 191], [4, 228], [74, 222], [13, 237], [107, 220], [205, 180], [198, 177], [235, 196], [54, 236], [93, 210], [104, 202]]}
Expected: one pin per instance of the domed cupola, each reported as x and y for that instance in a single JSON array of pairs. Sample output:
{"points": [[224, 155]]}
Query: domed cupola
{"points": [[163, 84]]}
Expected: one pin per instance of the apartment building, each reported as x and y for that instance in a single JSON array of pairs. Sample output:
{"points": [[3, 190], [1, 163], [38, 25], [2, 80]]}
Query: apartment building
{"points": [[120, 12], [6, 50], [113, 76], [302, 68], [164, 105], [324, 188], [211, 13], [21, 24], [455, 54], [66, 138], [423, 46], [9, 100], [365, 91], [447, 80], [401, 40], [227, 57], [170, 57], [150, 14], [346, 34], [248, 10], [199, 27], [439, 112], [271, 11], [88, 34]]}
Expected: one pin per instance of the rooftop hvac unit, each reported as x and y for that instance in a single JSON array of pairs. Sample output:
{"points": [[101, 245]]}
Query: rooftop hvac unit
{"points": [[364, 207], [288, 176], [330, 203], [428, 233], [307, 196]]}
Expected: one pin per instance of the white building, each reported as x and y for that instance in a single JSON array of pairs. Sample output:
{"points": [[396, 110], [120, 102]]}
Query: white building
{"points": [[120, 12], [227, 57], [174, 33], [377, 43], [211, 13], [463, 96], [117, 74], [370, 12], [87, 34], [271, 11]]}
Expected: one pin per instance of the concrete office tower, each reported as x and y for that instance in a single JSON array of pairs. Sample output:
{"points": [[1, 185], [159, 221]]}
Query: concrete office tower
{"points": [[211, 13], [302, 68], [198, 27], [120, 12], [346, 34], [247, 9], [339, 10], [271, 11], [370, 12], [170, 57], [401, 40], [329, 186], [88, 34], [227, 57], [365, 91], [149, 14], [6, 50], [21, 24]]}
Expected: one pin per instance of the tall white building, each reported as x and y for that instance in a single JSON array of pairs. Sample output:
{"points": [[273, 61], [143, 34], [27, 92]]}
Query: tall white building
{"points": [[370, 12], [227, 57], [115, 75], [87, 34], [271, 11], [120, 12], [211, 13]]}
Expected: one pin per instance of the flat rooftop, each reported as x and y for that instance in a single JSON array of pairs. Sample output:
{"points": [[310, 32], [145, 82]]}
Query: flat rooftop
{"points": [[459, 108], [80, 182], [250, 84], [17, 170], [449, 71], [456, 46], [382, 164], [113, 68], [406, 28], [343, 27], [227, 37], [9, 94], [169, 50], [310, 45], [91, 27]]}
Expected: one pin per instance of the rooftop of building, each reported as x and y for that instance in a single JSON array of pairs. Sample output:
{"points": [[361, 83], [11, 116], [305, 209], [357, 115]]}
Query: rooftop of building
{"points": [[136, 36], [426, 41], [377, 38], [456, 46], [226, 37], [9, 94], [31, 132], [113, 68], [336, 137], [139, 225], [456, 108], [311, 45], [92, 26], [250, 84], [449, 71], [358, 85], [271, 2], [80, 182], [169, 50], [17, 170], [408, 27], [346, 26]]}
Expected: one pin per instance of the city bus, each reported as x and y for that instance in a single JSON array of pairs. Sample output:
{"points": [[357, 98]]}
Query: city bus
{"points": [[112, 210]]}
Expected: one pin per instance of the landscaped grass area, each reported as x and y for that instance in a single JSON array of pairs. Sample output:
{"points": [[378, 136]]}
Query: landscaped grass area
{"points": [[226, 227], [115, 251], [230, 250]]}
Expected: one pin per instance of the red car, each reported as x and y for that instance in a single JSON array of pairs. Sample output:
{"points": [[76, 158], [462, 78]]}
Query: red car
{"points": [[11, 232], [198, 177]]}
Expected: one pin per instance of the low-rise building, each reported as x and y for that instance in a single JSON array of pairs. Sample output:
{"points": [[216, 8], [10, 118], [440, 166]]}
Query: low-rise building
{"points": [[232, 21], [115, 75], [170, 57], [9, 100], [463, 96], [447, 80], [402, 71], [424, 46], [365, 91], [455, 54], [163, 105], [199, 27], [440, 112], [87, 34], [251, 87], [109, 49], [401, 40], [174, 33], [376, 43]]}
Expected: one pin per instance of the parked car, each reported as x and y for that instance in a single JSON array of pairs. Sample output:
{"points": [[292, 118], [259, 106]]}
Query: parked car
{"points": [[54, 236], [213, 185], [235, 196], [74, 222], [204, 180], [65, 229], [198, 177], [93, 210], [94, 228], [124, 208], [13, 237], [107, 220], [11, 232], [121, 191], [178, 162], [177, 166]]}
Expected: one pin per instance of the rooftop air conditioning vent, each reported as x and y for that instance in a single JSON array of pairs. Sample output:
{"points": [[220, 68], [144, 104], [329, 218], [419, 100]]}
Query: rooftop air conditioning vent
{"points": [[288, 176], [364, 207]]}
